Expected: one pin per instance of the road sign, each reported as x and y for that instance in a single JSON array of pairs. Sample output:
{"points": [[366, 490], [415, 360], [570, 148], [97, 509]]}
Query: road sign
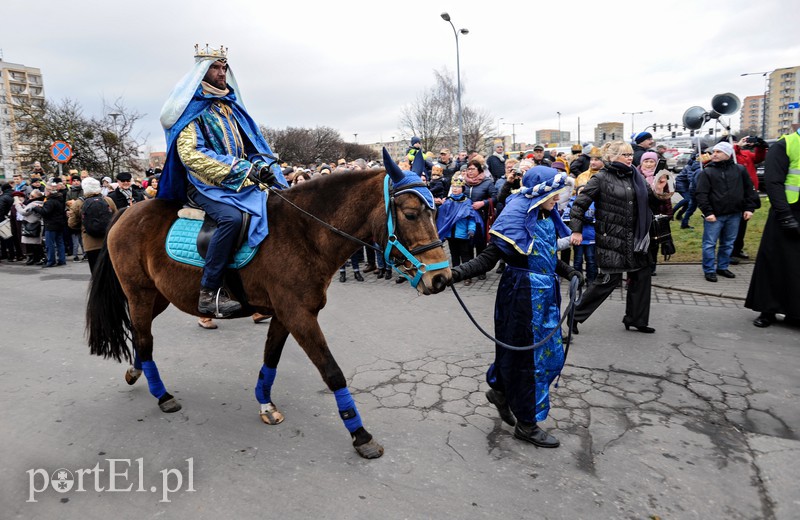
{"points": [[793, 105], [61, 152]]}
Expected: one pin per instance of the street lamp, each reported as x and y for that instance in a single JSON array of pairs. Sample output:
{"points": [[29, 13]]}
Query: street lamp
{"points": [[499, 132], [632, 114], [514, 135], [766, 87], [446, 18], [559, 128], [114, 116], [355, 136]]}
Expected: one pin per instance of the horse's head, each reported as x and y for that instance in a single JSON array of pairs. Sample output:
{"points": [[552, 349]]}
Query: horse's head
{"points": [[413, 215]]}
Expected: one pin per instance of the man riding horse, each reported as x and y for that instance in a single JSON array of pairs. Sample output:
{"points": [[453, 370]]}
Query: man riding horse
{"points": [[218, 158]]}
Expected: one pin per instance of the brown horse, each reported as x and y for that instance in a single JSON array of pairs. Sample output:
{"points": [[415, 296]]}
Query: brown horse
{"points": [[134, 280]]}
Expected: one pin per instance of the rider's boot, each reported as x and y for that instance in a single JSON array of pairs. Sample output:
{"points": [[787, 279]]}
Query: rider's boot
{"points": [[217, 302]]}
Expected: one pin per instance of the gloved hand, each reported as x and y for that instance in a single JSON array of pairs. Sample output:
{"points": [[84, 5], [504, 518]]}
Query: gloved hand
{"points": [[458, 274], [789, 224], [254, 176], [579, 275], [267, 175]]}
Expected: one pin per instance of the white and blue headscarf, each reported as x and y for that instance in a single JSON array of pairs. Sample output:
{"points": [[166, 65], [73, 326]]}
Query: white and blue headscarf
{"points": [[515, 228]]}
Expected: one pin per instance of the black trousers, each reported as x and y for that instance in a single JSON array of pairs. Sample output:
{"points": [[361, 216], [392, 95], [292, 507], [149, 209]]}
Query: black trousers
{"points": [[738, 244], [460, 250], [637, 305]]}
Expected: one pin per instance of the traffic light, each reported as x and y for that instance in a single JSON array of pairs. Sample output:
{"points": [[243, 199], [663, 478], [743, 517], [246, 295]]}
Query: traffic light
{"points": [[655, 125], [613, 136], [691, 133], [669, 128], [710, 131], [673, 135], [604, 136]]}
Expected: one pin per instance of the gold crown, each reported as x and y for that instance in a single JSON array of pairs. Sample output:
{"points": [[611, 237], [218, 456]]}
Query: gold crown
{"points": [[221, 54], [457, 182]]}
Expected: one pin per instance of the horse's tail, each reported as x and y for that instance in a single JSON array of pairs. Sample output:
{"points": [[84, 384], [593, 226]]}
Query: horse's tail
{"points": [[108, 321]]}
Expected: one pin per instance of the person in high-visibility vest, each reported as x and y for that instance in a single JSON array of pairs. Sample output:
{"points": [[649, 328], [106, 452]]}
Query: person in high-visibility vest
{"points": [[775, 285]]}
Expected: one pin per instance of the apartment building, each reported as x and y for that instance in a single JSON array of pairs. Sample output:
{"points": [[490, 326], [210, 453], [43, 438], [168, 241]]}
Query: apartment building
{"points": [[19, 85]]}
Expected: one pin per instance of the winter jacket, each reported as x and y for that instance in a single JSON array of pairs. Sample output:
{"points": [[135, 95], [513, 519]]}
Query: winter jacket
{"points": [[53, 212], [725, 188], [580, 164], [496, 166], [75, 221], [6, 203], [749, 159], [638, 152], [438, 189], [29, 215], [616, 214]]}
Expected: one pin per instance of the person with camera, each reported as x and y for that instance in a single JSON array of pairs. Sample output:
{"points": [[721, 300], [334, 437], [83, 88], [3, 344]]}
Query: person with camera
{"points": [[749, 151]]}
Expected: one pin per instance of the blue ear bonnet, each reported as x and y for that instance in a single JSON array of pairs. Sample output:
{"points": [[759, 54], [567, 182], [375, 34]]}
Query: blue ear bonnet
{"points": [[404, 181]]}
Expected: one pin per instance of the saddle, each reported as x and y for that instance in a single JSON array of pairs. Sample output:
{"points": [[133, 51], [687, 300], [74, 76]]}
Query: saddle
{"points": [[193, 211]]}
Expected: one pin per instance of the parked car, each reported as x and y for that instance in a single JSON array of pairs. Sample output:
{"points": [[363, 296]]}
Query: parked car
{"points": [[679, 161]]}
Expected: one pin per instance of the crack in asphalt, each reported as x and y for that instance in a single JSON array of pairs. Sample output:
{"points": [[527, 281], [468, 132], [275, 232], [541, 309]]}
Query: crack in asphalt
{"points": [[716, 404]]}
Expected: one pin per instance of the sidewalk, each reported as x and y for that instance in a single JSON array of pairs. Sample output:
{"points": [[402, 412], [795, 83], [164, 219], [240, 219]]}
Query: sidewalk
{"points": [[689, 278]]}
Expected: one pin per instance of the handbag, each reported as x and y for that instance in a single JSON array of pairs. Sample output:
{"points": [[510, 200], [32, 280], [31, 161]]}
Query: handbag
{"points": [[32, 229], [661, 234], [5, 229], [660, 231]]}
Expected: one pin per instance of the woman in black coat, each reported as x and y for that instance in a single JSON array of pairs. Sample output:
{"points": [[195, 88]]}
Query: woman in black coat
{"points": [[623, 219]]}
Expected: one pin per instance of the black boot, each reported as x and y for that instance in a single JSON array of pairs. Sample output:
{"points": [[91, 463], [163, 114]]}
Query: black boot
{"points": [[30, 261], [357, 276], [387, 273], [217, 302], [342, 276], [530, 432], [498, 399]]}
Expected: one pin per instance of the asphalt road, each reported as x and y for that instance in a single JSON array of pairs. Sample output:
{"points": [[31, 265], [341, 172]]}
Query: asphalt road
{"points": [[699, 420]]}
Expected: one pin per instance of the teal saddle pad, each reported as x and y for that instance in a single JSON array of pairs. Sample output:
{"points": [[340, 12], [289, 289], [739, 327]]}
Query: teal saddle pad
{"points": [[182, 245]]}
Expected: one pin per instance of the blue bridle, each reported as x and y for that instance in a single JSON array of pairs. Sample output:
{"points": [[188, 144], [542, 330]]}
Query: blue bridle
{"points": [[392, 242]]}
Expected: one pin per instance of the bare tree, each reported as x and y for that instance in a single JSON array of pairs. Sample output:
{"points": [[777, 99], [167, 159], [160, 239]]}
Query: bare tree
{"points": [[430, 117], [96, 145], [478, 127], [116, 142], [434, 117], [305, 145]]}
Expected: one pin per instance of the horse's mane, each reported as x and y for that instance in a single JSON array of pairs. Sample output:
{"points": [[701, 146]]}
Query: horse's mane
{"points": [[333, 185]]}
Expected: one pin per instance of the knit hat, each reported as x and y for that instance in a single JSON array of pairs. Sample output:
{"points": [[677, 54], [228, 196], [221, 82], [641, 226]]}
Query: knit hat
{"points": [[90, 186], [642, 137], [649, 155], [107, 179], [724, 147], [415, 140], [587, 148]]}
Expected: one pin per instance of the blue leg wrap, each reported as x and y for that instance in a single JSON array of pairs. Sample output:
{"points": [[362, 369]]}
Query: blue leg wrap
{"points": [[137, 363], [153, 379], [347, 410], [265, 379]]}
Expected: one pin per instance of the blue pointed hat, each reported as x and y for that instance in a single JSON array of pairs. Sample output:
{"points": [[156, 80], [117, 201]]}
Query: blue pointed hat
{"points": [[516, 226], [407, 181]]}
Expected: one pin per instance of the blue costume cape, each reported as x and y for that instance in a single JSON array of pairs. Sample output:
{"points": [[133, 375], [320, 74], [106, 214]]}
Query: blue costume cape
{"points": [[451, 212], [250, 199]]}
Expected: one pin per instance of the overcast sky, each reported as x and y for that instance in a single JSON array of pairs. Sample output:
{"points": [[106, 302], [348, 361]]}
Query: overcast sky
{"points": [[353, 65]]}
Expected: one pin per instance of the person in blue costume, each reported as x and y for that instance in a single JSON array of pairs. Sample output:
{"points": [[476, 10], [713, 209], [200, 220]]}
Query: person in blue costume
{"points": [[528, 302], [457, 222], [218, 158]]}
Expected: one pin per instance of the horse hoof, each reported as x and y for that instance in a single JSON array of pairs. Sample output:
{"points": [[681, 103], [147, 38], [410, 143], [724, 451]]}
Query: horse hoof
{"points": [[370, 450], [170, 405], [270, 414], [132, 375]]}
